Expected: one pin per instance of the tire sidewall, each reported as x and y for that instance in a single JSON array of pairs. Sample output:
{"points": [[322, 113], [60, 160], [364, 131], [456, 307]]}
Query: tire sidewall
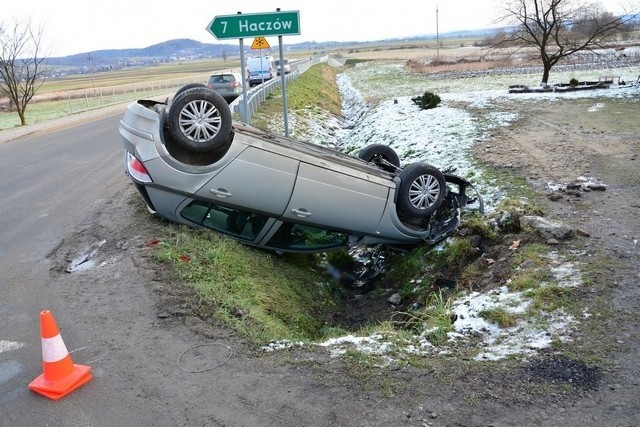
{"points": [[199, 93], [370, 152], [188, 87], [407, 177]]}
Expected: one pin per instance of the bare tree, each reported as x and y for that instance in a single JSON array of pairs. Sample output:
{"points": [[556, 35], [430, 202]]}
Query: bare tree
{"points": [[556, 29], [22, 64]]}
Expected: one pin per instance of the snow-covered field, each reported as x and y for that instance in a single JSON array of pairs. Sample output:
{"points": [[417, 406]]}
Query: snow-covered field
{"points": [[377, 108]]}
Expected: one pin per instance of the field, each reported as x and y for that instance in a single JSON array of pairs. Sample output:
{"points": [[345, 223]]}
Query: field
{"points": [[57, 97], [73, 94]]}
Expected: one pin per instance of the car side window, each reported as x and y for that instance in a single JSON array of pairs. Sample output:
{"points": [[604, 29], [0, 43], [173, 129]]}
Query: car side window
{"points": [[227, 220], [306, 238]]}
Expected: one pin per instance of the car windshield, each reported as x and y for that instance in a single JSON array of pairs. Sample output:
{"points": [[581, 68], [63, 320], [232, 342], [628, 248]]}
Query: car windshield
{"points": [[222, 79]]}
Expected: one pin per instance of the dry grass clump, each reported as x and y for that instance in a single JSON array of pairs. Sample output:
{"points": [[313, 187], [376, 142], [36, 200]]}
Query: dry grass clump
{"points": [[457, 64]]}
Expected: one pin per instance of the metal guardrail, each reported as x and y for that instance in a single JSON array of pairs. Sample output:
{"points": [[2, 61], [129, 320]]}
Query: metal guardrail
{"points": [[93, 98], [257, 94]]}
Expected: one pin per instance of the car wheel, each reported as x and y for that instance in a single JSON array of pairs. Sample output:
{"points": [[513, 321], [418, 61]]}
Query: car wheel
{"points": [[421, 190], [199, 120], [187, 87], [381, 155]]}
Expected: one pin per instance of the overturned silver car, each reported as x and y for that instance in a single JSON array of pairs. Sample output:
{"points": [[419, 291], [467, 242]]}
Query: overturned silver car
{"points": [[193, 165]]}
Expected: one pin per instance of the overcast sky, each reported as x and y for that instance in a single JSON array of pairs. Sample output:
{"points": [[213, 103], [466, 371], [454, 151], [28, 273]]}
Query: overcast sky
{"points": [[78, 26]]}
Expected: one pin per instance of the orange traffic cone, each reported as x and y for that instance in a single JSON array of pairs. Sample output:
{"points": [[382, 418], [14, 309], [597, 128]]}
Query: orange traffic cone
{"points": [[60, 376]]}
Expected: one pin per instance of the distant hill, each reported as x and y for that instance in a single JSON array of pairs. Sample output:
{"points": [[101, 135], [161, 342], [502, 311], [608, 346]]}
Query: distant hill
{"points": [[161, 52], [185, 49], [169, 51]]}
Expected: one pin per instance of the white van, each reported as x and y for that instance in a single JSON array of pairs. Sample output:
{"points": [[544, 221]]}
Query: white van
{"points": [[261, 68]]}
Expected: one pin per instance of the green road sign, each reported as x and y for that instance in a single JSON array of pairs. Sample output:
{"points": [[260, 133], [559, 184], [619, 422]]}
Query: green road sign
{"points": [[255, 25]]}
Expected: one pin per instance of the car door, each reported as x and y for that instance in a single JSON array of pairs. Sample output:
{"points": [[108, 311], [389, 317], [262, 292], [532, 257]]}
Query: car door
{"points": [[336, 200], [256, 180]]}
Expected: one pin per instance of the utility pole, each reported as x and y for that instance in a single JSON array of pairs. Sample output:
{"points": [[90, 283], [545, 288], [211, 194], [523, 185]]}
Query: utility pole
{"points": [[437, 36], [91, 71]]}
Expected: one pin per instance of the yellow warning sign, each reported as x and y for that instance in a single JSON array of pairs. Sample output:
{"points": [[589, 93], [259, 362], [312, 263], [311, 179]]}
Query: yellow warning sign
{"points": [[260, 43]]}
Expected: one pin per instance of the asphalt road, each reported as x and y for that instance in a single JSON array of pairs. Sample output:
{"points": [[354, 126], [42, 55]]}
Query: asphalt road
{"points": [[50, 179]]}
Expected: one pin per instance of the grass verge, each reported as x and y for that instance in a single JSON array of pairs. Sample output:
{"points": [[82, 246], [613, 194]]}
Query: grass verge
{"points": [[261, 295], [314, 90]]}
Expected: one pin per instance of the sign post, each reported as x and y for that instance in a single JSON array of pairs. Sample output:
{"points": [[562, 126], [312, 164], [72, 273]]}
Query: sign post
{"points": [[244, 111], [258, 25], [283, 83]]}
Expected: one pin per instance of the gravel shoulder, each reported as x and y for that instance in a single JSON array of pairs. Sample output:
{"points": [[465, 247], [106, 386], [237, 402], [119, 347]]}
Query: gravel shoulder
{"points": [[556, 143]]}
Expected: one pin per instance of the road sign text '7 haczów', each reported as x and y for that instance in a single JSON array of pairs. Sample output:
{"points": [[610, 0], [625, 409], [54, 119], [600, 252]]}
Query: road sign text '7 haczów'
{"points": [[255, 25]]}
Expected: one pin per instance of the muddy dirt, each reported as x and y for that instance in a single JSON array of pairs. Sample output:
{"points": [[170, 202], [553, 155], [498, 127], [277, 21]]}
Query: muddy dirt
{"points": [[195, 372]]}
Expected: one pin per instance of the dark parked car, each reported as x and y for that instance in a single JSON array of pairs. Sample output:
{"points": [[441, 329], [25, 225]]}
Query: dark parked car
{"points": [[192, 165]]}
